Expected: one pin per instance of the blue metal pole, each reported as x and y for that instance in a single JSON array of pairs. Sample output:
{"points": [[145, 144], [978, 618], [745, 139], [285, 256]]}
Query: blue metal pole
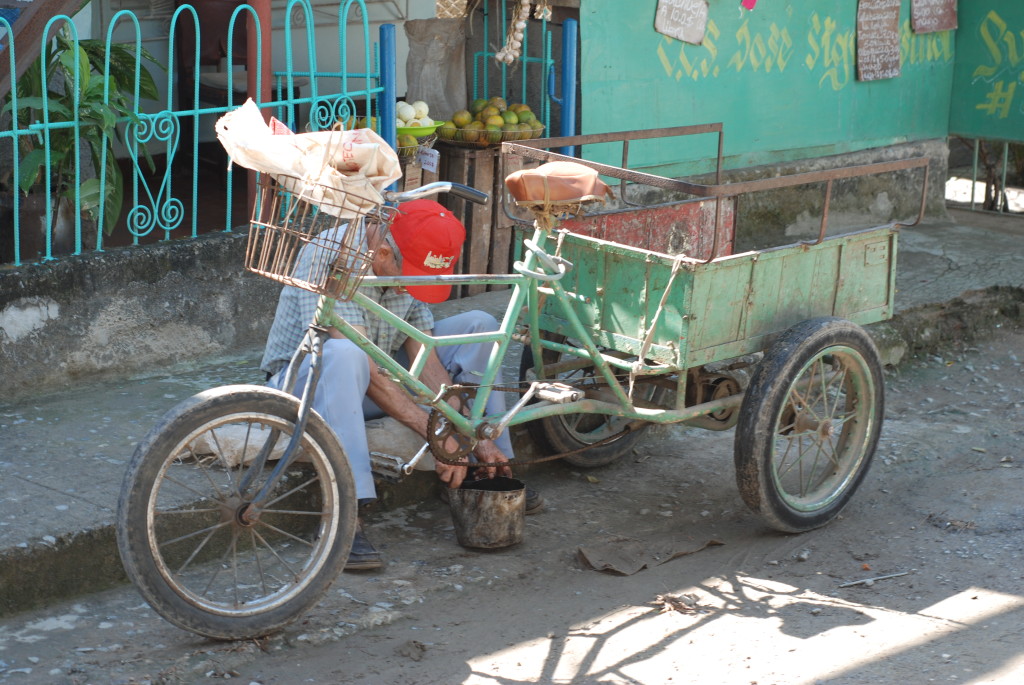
{"points": [[388, 78], [570, 36]]}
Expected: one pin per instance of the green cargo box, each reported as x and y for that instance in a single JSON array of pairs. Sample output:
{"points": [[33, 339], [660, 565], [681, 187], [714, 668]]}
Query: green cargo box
{"points": [[727, 307]]}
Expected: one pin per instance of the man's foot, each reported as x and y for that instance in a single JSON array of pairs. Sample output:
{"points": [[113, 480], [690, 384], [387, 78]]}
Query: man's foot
{"points": [[534, 500], [363, 556]]}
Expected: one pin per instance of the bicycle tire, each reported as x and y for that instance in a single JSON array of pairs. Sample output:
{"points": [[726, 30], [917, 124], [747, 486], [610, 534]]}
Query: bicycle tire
{"points": [[180, 533], [568, 432], [809, 424]]}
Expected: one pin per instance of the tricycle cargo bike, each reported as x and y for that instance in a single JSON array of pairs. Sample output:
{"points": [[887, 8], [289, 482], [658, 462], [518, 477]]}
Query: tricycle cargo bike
{"points": [[238, 510]]}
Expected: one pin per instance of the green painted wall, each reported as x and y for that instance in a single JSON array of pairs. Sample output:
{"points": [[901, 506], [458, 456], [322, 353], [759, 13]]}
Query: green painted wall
{"points": [[781, 78], [988, 83]]}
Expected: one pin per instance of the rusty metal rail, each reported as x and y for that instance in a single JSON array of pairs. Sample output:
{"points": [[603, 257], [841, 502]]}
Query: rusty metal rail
{"points": [[539, 150]]}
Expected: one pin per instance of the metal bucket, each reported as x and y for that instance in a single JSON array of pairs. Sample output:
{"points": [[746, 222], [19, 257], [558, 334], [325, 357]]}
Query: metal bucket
{"points": [[489, 513]]}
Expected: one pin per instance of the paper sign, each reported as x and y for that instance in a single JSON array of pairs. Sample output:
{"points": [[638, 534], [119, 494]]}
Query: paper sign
{"points": [[428, 159], [933, 15], [684, 20], [878, 39]]}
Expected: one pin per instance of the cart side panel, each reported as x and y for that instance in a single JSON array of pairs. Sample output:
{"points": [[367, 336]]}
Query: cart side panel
{"points": [[790, 287], [584, 280], [867, 283], [616, 292], [720, 296], [848, 276]]}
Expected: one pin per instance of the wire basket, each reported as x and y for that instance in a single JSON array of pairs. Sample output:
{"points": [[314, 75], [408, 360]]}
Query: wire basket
{"points": [[299, 238], [407, 152], [462, 137]]}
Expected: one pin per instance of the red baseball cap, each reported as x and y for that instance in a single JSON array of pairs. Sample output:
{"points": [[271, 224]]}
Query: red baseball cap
{"points": [[430, 239]]}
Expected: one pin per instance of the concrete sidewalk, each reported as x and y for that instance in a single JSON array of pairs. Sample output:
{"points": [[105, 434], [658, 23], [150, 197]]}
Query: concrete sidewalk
{"points": [[63, 455]]}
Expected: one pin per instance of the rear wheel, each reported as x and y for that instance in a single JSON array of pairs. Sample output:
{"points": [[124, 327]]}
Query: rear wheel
{"points": [[191, 540], [809, 424], [568, 432]]}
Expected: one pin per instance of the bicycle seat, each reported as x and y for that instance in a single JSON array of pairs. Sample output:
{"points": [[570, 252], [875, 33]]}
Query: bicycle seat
{"points": [[556, 183]]}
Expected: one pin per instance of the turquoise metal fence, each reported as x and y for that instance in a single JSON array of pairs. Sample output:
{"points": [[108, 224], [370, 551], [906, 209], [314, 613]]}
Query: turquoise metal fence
{"points": [[523, 68], [95, 99], [532, 64]]}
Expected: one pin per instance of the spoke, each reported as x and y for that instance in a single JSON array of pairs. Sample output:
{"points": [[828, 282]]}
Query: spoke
{"points": [[204, 470], [287, 566], [800, 402], [189, 488], [824, 386], [841, 377], [832, 453], [800, 464], [294, 490], [219, 566], [241, 462], [811, 382], [814, 469], [172, 512], [292, 512], [259, 561], [852, 414], [209, 529], [789, 445], [224, 461], [802, 434], [234, 568], [287, 534], [185, 564]]}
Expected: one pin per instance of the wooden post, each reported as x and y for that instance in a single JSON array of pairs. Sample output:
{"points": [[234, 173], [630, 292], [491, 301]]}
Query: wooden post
{"points": [[503, 232], [474, 167]]}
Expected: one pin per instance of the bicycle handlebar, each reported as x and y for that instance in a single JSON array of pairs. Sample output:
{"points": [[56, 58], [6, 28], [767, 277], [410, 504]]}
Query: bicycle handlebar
{"points": [[457, 189]]}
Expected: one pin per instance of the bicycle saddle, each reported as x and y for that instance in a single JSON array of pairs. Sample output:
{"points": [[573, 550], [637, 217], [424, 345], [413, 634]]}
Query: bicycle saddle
{"points": [[556, 182]]}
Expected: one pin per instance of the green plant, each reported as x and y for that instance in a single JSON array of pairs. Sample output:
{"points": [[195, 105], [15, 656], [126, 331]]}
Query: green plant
{"points": [[102, 103]]}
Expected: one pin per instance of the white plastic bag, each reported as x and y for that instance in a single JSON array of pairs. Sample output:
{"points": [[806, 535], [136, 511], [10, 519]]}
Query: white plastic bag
{"points": [[347, 170]]}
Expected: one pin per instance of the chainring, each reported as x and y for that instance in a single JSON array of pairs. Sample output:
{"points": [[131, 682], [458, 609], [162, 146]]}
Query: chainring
{"points": [[440, 429]]}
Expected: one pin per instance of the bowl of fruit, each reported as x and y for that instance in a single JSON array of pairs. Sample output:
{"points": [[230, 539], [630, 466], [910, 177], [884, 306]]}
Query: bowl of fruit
{"points": [[488, 122], [414, 127]]}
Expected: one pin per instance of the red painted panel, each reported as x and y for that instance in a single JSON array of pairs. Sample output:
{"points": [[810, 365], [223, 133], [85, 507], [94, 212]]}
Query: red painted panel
{"points": [[687, 227]]}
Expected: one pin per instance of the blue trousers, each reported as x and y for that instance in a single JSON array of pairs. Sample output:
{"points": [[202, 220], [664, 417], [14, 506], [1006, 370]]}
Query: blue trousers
{"points": [[345, 376]]}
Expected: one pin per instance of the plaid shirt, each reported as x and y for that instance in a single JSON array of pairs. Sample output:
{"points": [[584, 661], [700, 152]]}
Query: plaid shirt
{"points": [[297, 307]]}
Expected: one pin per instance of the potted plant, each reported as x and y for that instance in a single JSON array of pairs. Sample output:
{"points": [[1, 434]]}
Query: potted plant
{"points": [[102, 102]]}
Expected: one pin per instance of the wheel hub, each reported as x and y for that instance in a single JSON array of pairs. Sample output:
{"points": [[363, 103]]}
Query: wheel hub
{"points": [[804, 422], [238, 511], [826, 429]]}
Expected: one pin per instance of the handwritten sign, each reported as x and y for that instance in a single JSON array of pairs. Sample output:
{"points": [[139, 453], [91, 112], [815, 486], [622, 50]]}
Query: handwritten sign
{"points": [[684, 20], [878, 39], [928, 16], [428, 159]]}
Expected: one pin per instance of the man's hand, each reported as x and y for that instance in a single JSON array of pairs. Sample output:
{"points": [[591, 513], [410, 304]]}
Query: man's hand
{"points": [[488, 453], [450, 474]]}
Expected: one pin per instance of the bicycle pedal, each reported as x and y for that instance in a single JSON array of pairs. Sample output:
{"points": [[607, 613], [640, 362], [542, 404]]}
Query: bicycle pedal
{"points": [[559, 393]]}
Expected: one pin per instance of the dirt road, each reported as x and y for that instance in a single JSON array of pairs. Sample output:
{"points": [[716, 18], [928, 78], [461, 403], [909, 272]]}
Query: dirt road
{"points": [[919, 581]]}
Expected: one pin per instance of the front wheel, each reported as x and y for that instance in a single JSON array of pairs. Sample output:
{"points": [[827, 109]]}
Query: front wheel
{"points": [[809, 424], [192, 542]]}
